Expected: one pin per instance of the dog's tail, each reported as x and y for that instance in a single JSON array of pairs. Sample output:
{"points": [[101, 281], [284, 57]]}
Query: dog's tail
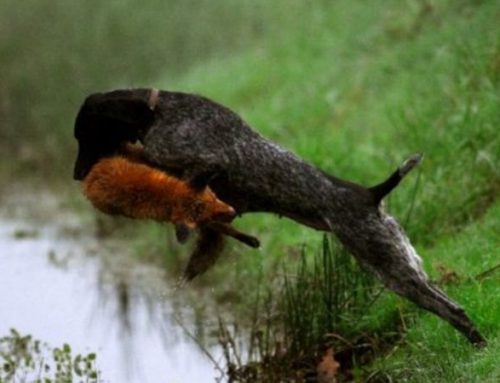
{"points": [[381, 190]]}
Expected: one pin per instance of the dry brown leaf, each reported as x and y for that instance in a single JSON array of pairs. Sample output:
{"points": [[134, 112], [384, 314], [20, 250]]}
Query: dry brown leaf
{"points": [[327, 369]]}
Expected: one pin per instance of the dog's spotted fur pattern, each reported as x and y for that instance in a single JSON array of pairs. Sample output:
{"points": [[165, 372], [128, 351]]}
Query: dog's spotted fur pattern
{"points": [[192, 135]]}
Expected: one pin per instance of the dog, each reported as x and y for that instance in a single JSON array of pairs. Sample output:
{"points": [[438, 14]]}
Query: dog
{"points": [[197, 138]]}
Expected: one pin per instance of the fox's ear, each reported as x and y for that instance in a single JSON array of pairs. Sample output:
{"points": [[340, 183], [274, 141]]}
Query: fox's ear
{"points": [[200, 181]]}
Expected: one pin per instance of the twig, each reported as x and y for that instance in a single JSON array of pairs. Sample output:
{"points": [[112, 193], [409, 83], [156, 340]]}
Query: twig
{"points": [[486, 273], [198, 343]]}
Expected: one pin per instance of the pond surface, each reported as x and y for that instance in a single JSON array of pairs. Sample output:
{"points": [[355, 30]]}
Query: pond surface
{"points": [[62, 289]]}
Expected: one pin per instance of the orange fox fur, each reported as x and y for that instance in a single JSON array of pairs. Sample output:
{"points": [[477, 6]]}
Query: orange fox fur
{"points": [[123, 185], [127, 185]]}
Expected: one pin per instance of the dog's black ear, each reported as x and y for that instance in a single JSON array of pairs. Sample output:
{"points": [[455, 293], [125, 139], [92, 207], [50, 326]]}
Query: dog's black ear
{"points": [[106, 120], [199, 179], [129, 109], [383, 189]]}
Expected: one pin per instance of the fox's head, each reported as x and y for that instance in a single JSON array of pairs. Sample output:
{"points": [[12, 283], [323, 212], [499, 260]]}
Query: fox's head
{"points": [[202, 207]]}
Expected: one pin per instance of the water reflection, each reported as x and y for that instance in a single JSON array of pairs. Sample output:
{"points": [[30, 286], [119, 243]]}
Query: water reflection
{"points": [[112, 305]]}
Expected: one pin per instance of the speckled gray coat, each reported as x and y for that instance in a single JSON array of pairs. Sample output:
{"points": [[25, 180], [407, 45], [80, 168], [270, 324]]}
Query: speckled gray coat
{"points": [[196, 137]]}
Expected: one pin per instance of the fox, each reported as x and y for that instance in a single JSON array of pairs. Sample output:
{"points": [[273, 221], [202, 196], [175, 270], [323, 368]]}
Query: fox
{"points": [[119, 186], [124, 184], [194, 137]]}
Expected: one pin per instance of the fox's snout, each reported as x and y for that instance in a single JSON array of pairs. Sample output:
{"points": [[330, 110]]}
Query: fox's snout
{"points": [[225, 216], [207, 207], [221, 212]]}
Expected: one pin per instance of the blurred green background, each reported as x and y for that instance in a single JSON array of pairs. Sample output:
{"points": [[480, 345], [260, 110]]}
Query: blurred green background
{"points": [[352, 86], [53, 53]]}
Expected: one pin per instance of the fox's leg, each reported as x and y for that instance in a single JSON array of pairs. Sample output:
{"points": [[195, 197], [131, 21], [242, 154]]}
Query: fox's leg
{"points": [[235, 233], [208, 249], [182, 232]]}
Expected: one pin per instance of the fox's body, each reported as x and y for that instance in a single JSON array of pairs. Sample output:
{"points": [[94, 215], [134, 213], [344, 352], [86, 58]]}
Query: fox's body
{"points": [[125, 184], [118, 185], [192, 136]]}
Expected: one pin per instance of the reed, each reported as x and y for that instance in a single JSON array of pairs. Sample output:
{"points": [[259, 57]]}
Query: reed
{"points": [[331, 296]]}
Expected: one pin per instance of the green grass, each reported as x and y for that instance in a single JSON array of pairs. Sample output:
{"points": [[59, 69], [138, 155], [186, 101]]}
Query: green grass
{"points": [[433, 351], [26, 359], [330, 296]]}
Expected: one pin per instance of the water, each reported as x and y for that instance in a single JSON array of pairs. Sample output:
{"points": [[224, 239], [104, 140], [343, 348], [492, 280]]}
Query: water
{"points": [[51, 288]]}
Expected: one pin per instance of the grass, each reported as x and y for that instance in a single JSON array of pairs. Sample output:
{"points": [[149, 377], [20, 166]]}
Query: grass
{"points": [[353, 87], [323, 303], [328, 302], [433, 351], [331, 296], [25, 359]]}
